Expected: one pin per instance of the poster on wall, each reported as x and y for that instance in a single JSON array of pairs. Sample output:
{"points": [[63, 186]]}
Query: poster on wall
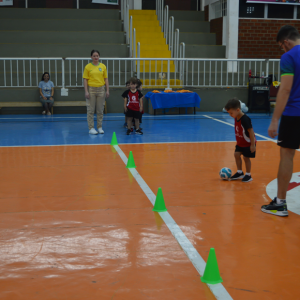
{"points": [[112, 2], [292, 2], [6, 2]]}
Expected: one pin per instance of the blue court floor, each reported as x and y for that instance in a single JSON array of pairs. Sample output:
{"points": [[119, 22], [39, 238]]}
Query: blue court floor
{"points": [[72, 129]]}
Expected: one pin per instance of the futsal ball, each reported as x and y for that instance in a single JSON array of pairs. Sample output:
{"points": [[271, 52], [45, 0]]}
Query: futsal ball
{"points": [[244, 108], [225, 173]]}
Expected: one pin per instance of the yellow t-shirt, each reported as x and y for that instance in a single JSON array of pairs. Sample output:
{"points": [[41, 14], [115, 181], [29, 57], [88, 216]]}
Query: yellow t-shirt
{"points": [[95, 74]]}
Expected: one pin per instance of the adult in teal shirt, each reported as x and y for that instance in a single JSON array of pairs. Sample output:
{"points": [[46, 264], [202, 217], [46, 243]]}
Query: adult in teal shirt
{"points": [[46, 93]]}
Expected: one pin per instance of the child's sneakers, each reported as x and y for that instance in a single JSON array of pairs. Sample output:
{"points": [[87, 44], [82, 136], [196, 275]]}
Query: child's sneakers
{"points": [[237, 176], [138, 131], [247, 178], [128, 132], [276, 209]]}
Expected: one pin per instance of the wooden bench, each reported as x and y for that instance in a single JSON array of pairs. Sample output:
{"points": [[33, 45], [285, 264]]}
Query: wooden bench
{"points": [[39, 104]]}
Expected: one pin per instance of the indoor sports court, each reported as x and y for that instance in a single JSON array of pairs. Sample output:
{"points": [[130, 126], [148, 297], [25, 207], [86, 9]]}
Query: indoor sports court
{"points": [[112, 210], [77, 224]]}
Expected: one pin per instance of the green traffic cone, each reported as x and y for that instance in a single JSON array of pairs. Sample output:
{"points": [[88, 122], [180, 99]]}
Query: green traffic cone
{"points": [[159, 205], [211, 273], [130, 162], [114, 141]]}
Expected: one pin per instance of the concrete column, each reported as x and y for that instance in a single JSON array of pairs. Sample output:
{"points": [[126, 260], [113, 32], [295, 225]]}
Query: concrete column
{"points": [[224, 31], [136, 4], [232, 32]]}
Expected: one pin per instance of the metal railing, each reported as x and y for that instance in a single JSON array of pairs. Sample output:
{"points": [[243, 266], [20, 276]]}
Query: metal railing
{"points": [[27, 72], [160, 12], [166, 18], [125, 18], [171, 35], [164, 72]]}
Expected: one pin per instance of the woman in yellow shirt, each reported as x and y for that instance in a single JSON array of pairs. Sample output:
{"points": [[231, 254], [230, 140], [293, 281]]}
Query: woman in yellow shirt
{"points": [[94, 80]]}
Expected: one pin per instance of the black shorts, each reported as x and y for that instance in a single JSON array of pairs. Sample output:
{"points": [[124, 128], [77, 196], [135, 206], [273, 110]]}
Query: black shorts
{"points": [[133, 114], [245, 151], [289, 132]]}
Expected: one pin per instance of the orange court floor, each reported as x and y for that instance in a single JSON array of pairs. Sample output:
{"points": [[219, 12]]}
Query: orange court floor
{"points": [[75, 224]]}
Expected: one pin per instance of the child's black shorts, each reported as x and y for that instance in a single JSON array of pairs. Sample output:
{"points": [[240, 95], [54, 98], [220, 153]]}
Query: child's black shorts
{"points": [[133, 114], [245, 151]]}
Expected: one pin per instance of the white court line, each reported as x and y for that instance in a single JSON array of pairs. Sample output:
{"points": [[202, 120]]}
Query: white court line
{"points": [[65, 145], [107, 117], [217, 289], [262, 136], [104, 117]]}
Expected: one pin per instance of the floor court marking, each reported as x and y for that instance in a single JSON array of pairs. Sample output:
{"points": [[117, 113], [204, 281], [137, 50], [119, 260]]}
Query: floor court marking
{"points": [[262, 136], [65, 145], [38, 118], [105, 117], [227, 123], [218, 290]]}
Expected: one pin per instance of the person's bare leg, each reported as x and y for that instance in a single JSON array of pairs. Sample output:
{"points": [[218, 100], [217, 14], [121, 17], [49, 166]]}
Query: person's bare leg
{"points": [[129, 122], [137, 124], [238, 160], [248, 164], [285, 171], [50, 105]]}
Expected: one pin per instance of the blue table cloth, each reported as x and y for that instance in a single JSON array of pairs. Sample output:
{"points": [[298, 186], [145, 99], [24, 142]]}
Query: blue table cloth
{"points": [[169, 100]]}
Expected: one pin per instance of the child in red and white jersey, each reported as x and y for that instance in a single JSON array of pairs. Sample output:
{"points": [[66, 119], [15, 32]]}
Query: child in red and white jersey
{"points": [[133, 106], [245, 140]]}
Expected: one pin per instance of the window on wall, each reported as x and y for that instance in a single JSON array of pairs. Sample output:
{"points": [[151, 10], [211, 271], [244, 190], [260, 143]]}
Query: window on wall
{"points": [[218, 9], [251, 10], [280, 11]]}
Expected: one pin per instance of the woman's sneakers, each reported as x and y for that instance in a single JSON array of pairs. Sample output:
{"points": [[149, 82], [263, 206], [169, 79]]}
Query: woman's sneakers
{"points": [[276, 209], [93, 131]]}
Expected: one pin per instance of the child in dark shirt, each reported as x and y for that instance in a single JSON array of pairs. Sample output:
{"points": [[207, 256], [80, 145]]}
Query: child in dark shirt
{"points": [[139, 88], [133, 106], [245, 139]]}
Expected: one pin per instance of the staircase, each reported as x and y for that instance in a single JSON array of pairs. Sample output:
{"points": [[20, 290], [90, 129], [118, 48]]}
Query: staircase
{"points": [[195, 33], [59, 33], [152, 45]]}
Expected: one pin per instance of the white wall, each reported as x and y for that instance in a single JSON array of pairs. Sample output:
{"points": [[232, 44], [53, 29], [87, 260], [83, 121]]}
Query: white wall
{"points": [[135, 4], [232, 29]]}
